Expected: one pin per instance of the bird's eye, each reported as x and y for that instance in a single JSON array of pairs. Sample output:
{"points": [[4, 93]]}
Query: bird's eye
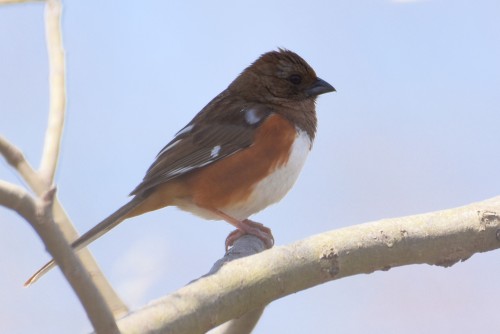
{"points": [[295, 79]]}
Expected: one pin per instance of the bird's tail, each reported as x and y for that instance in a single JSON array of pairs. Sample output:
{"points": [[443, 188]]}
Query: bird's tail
{"points": [[94, 233]]}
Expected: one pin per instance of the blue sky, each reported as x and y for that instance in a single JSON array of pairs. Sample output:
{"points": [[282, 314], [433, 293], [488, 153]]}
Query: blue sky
{"points": [[412, 128]]}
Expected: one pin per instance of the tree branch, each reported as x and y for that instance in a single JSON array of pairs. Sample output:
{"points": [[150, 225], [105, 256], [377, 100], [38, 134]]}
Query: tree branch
{"points": [[440, 238], [242, 325], [17, 160], [38, 212], [9, 2], [244, 246], [40, 182], [57, 81]]}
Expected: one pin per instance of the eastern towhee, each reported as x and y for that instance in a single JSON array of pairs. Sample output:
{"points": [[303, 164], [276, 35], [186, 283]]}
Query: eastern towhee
{"points": [[239, 154]]}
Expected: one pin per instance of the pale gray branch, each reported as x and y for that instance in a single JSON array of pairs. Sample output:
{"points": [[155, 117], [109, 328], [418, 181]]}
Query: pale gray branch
{"points": [[16, 159], [9, 2], [242, 325], [16, 198], [440, 238], [53, 134], [38, 212], [40, 182], [245, 246]]}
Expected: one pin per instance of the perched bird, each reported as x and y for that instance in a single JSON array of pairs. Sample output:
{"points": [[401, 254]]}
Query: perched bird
{"points": [[239, 154]]}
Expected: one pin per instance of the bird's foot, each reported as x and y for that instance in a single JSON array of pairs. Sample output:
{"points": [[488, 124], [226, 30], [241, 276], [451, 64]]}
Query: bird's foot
{"points": [[250, 227]]}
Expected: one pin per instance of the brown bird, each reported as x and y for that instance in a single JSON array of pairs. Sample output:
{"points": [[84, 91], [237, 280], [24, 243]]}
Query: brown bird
{"points": [[239, 154]]}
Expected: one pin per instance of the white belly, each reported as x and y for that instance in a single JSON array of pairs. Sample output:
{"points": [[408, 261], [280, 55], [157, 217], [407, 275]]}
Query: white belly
{"points": [[275, 186]]}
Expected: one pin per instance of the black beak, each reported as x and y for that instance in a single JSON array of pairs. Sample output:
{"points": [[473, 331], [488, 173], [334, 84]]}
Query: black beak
{"points": [[320, 86]]}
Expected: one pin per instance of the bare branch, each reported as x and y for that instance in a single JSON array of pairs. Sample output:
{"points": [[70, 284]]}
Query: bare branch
{"points": [[39, 182], [55, 125], [244, 246], [16, 159], [39, 214], [16, 198], [242, 325], [9, 2], [440, 238]]}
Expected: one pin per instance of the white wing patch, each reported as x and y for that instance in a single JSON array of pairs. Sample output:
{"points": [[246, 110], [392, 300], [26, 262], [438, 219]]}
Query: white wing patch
{"points": [[185, 130], [215, 152], [186, 169], [251, 116], [166, 148]]}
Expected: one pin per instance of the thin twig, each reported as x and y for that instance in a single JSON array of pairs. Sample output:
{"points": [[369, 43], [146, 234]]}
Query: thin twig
{"points": [[440, 238], [10, 2], [53, 134], [16, 159], [16, 198]]}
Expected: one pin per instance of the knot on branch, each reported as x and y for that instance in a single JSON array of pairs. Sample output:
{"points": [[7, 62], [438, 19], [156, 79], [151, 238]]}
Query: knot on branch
{"points": [[329, 262], [44, 208], [488, 219]]}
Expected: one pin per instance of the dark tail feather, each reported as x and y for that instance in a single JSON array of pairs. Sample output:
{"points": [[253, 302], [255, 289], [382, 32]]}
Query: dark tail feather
{"points": [[94, 233]]}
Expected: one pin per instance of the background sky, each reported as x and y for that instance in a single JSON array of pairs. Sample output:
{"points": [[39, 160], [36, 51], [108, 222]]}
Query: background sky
{"points": [[413, 128]]}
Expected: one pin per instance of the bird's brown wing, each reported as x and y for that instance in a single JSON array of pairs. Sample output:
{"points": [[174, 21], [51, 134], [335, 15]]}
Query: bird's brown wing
{"points": [[204, 142]]}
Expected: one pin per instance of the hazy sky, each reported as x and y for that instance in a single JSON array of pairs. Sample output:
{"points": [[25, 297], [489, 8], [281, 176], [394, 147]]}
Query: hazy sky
{"points": [[413, 127]]}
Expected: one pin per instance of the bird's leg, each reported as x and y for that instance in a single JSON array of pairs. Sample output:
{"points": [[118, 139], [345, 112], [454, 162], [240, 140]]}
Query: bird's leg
{"points": [[250, 227], [246, 226]]}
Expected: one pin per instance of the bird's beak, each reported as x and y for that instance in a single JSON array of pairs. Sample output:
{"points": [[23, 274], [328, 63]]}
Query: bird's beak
{"points": [[320, 86]]}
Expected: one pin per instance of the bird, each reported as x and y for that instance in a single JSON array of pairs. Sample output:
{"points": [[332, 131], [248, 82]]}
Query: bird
{"points": [[241, 153]]}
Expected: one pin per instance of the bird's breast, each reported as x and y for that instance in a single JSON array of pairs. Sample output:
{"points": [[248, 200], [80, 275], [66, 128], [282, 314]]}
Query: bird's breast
{"points": [[272, 188], [251, 179]]}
